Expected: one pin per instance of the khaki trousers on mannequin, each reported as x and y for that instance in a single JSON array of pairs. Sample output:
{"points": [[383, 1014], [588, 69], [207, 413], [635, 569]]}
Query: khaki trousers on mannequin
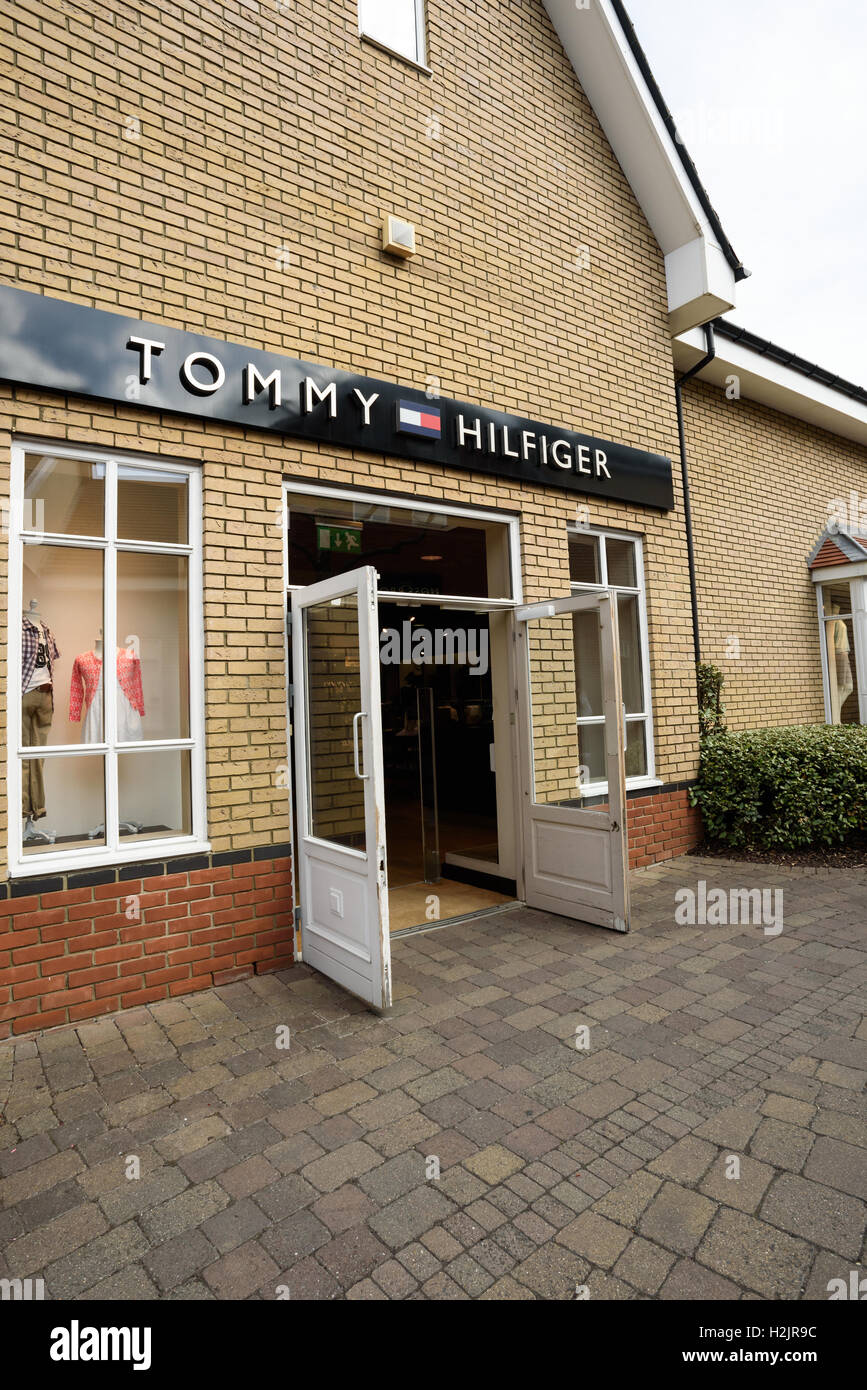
{"points": [[37, 710]]}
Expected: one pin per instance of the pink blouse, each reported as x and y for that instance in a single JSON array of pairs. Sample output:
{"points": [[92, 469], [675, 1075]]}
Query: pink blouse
{"points": [[85, 681]]}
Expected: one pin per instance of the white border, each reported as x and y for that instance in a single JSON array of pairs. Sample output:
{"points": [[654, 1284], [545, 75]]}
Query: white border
{"points": [[419, 58], [113, 852], [649, 778]]}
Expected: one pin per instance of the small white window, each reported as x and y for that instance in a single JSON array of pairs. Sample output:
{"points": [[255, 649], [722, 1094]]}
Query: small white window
{"points": [[606, 560], [396, 24]]}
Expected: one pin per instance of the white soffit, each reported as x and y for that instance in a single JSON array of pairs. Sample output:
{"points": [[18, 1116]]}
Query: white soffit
{"points": [[701, 283], [772, 384]]}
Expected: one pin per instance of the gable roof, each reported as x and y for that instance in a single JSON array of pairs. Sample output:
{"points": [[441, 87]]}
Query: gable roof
{"points": [[701, 267], [837, 547]]}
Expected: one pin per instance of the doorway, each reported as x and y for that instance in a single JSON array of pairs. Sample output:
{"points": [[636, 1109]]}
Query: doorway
{"points": [[437, 758]]}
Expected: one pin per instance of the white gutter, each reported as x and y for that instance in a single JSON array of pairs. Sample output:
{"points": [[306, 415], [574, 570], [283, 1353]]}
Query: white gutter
{"points": [[761, 379]]}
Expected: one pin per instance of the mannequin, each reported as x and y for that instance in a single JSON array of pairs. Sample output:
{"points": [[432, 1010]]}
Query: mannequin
{"points": [[839, 665], [86, 693], [39, 652]]}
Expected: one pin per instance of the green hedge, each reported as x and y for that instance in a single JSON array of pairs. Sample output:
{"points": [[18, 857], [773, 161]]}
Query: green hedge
{"points": [[788, 788]]}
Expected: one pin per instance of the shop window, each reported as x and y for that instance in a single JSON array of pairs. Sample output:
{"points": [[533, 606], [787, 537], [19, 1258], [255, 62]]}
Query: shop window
{"points": [[841, 672], [602, 560], [396, 24], [104, 558]]}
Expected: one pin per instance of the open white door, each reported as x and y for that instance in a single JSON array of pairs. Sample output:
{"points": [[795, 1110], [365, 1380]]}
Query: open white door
{"points": [[340, 798], [575, 857]]}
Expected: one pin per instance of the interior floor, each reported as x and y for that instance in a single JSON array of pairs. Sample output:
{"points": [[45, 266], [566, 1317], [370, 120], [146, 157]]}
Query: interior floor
{"points": [[413, 900], [418, 904]]}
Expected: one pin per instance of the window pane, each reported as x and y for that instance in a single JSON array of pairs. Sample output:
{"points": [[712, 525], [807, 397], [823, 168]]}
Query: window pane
{"points": [[333, 699], [842, 679], [553, 711], [584, 560], [151, 505], [153, 665], [422, 552], [636, 749], [630, 653], [591, 746], [393, 22], [621, 563], [64, 798], [63, 495], [154, 794], [836, 598], [62, 645], [588, 664]]}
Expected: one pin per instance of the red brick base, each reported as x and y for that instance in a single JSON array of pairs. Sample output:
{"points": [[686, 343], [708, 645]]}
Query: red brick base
{"points": [[84, 951], [661, 826]]}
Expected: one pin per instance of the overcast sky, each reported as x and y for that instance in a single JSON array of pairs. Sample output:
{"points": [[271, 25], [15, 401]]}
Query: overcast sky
{"points": [[771, 100]]}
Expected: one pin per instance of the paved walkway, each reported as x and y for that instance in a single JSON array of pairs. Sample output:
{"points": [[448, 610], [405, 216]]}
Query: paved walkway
{"points": [[312, 1169]]}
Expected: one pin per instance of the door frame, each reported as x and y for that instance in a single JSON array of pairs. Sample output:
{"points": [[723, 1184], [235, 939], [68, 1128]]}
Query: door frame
{"points": [[350, 960], [613, 705]]}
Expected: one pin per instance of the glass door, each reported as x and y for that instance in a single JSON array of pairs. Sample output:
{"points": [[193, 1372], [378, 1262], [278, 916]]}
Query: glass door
{"points": [[340, 846], [575, 856]]}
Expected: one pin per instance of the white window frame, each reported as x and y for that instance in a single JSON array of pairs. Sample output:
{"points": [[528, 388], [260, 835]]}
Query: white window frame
{"points": [[419, 58], [113, 852], [857, 619], [648, 779], [416, 504]]}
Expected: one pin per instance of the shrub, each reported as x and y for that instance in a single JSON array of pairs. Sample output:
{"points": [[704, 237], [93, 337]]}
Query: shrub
{"points": [[788, 788], [711, 710]]}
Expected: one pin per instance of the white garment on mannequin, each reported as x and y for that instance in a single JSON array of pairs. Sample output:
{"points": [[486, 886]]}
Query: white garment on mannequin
{"points": [[129, 725]]}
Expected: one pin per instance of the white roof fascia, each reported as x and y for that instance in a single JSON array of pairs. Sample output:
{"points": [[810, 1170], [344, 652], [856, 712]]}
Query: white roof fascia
{"points": [[770, 383], [701, 283]]}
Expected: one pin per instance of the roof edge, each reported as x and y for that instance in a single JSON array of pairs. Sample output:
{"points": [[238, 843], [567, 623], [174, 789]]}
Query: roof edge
{"points": [[735, 263]]}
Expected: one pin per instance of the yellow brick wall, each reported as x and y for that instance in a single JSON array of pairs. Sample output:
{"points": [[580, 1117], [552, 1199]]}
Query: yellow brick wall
{"points": [[761, 486], [224, 168]]}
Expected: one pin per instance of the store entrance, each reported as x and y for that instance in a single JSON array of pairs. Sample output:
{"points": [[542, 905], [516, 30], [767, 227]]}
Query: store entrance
{"points": [[439, 760]]}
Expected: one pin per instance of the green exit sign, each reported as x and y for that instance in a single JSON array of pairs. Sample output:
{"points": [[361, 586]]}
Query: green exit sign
{"points": [[345, 539]]}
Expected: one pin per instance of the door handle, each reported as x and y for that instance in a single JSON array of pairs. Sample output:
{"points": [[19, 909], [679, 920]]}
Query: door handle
{"points": [[355, 749]]}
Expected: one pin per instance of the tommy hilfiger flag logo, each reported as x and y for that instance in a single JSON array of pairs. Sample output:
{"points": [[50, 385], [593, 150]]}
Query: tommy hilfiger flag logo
{"points": [[419, 419]]}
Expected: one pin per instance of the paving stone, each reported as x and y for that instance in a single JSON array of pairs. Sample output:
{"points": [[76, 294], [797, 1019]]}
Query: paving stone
{"points": [[745, 1191], [838, 1165], [686, 1161], [552, 1272], [241, 1272], [644, 1265], [691, 1282], [677, 1218], [817, 1213], [335, 1169], [190, 1208], [178, 1259], [494, 1164], [285, 1196], [33, 1253], [601, 1100], [595, 1238], [342, 1208], [353, 1255], [628, 1200], [781, 1144], [755, 1255], [394, 1178], [94, 1261], [298, 1235], [405, 1220]]}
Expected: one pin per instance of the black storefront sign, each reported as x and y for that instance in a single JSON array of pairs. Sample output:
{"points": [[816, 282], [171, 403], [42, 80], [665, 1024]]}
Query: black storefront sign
{"points": [[56, 346]]}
